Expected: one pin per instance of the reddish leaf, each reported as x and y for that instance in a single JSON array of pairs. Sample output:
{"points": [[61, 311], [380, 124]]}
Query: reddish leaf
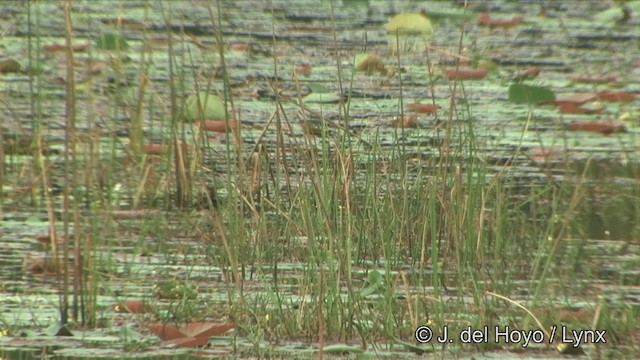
{"points": [[604, 127], [61, 47], [134, 307], [576, 109], [616, 96], [158, 149], [206, 329], [528, 73], [303, 69], [423, 108], [217, 125], [465, 73], [485, 19], [586, 79], [188, 341], [165, 331]]}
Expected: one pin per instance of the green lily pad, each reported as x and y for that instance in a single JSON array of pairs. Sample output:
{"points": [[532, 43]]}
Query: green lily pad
{"points": [[111, 41], [203, 106], [529, 94], [409, 23]]}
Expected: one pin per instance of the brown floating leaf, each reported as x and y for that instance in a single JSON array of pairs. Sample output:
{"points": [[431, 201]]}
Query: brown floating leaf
{"points": [[485, 19], [406, 121], [205, 329], [159, 149], [604, 127], [616, 96], [133, 307], [587, 79], [217, 125], [303, 69], [165, 331], [528, 73], [62, 47], [465, 73], [577, 109], [186, 342], [423, 108], [9, 66], [575, 99]]}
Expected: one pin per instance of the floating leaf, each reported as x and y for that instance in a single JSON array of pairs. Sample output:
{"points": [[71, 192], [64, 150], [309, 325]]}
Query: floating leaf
{"points": [[485, 19], [604, 127], [409, 23], [187, 342], [369, 63], [412, 347], [575, 99], [302, 69], [342, 349], [577, 109], [318, 88], [322, 98], [220, 126], [206, 329], [404, 122], [134, 307], [528, 94], [616, 96], [423, 108], [203, 106], [464, 73], [598, 79], [9, 66], [111, 41], [165, 331]]}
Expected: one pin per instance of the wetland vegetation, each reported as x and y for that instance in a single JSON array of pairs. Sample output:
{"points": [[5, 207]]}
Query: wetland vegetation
{"points": [[304, 179]]}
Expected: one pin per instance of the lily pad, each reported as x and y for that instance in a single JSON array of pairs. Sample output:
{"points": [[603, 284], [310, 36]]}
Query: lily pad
{"points": [[529, 94], [204, 106], [111, 41], [409, 23]]}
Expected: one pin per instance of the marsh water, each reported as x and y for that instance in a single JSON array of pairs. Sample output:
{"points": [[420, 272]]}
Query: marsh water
{"points": [[161, 258]]}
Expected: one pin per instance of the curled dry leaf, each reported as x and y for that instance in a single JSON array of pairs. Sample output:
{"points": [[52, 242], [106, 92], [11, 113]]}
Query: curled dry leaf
{"points": [[577, 109], [220, 126], [423, 108], [603, 127], [464, 73], [205, 329], [616, 96], [133, 307], [485, 19], [165, 331], [405, 121]]}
